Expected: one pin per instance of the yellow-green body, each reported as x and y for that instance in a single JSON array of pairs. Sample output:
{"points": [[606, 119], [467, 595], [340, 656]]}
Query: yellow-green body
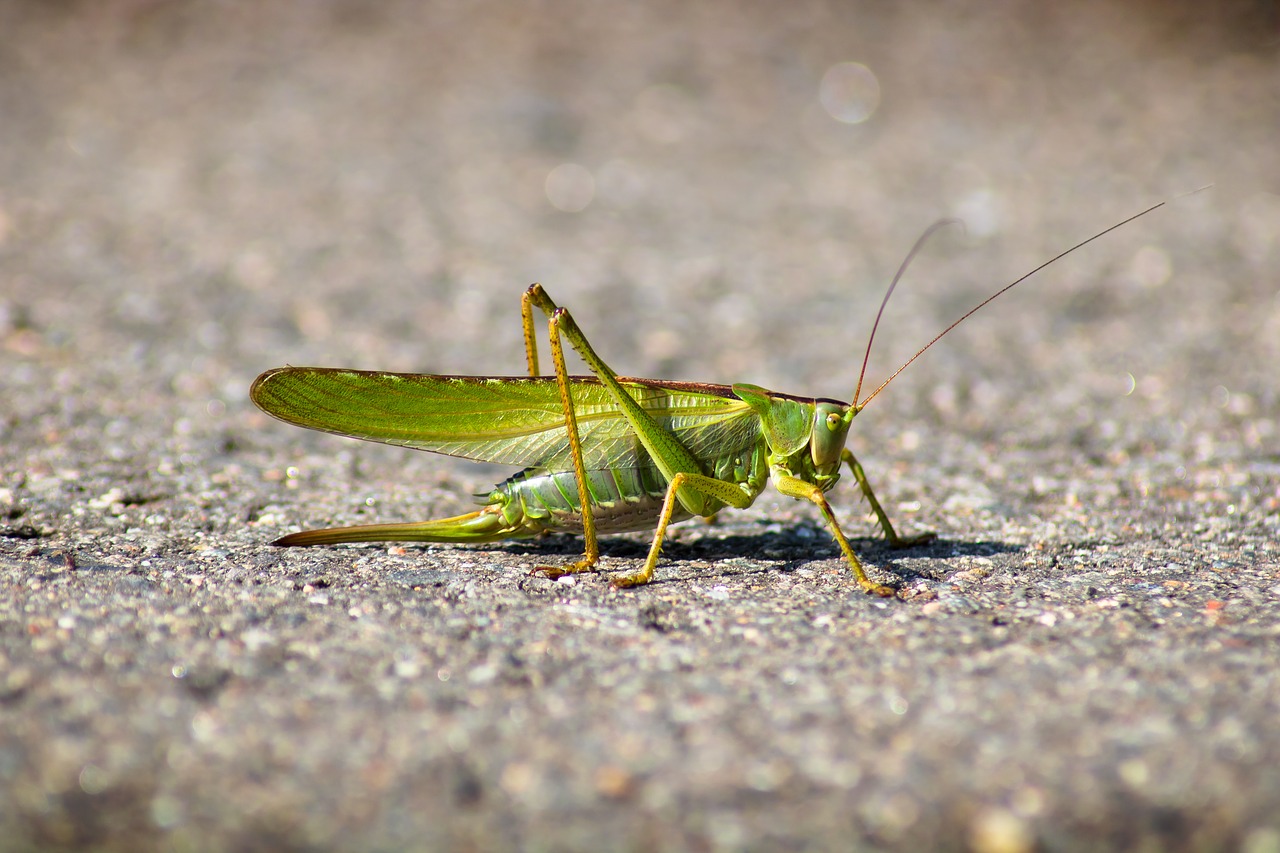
{"points": [[599, 454], [524, 425]]}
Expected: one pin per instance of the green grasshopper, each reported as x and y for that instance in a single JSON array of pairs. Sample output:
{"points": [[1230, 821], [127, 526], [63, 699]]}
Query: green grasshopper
{"points": [[600, 453]]}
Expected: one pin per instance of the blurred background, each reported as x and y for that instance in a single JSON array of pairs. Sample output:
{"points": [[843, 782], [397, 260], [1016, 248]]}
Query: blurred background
{"points": [[378, 181], [192, 192]]}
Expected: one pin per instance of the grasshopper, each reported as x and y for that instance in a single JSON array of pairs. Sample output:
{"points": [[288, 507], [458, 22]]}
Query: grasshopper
{"points": [[600, 453]]}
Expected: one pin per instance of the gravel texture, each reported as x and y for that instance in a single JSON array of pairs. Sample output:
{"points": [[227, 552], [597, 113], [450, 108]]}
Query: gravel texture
{"points": [[1086, 658]]}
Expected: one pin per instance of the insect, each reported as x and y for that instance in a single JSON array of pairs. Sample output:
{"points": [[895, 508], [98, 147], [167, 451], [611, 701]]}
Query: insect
{"points": [[599, 453]]}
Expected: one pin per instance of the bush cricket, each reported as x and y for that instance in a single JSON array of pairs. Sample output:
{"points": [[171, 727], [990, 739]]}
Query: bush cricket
{"points": [[600, 453]]}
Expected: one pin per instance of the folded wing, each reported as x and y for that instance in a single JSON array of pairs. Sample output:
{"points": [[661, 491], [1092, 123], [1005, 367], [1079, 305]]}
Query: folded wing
{"points": [[507, 420]]}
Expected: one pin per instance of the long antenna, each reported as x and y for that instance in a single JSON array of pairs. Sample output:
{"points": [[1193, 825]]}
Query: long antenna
{"points": [[906, 262], [859, 406]]}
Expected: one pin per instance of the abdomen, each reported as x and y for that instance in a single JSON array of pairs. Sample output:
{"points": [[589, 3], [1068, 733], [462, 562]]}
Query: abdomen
{"points": [[622, 499]]}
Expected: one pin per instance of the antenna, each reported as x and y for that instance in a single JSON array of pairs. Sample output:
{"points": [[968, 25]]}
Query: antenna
{"points": [[857, 407], [906, 262]]}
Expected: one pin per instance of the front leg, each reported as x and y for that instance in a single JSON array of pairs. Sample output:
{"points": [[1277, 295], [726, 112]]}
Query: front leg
{"points": [[895, 541], [794, 487]]}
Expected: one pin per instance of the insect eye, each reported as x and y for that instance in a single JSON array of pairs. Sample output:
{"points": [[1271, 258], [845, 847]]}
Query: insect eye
{"points": [[833, 422]]}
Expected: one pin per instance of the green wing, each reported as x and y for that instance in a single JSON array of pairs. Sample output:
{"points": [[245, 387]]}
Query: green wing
{"points": [[508, 420]]}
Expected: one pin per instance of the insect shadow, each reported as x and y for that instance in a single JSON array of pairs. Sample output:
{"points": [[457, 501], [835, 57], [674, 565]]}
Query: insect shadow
{"points": [[785, 549]]}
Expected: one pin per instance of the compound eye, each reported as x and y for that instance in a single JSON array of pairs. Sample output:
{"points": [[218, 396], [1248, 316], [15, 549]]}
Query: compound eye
{"points": [[834, 422]]}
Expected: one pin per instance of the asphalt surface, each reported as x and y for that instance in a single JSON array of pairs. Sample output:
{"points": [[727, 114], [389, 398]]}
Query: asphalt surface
{"points": [[1086, 658]]}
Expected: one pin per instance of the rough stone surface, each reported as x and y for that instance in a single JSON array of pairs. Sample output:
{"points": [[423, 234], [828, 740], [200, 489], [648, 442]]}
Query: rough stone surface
{"points": [[191, 193]]}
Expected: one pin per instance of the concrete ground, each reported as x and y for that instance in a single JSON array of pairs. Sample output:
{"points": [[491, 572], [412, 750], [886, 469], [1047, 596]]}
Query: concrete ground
{"points": [[1086, 658]]}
